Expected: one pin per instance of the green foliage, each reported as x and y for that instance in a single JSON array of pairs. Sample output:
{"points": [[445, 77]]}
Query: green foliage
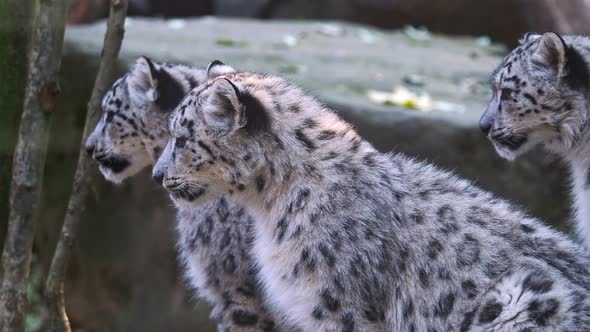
{"points": [[226, 42]]}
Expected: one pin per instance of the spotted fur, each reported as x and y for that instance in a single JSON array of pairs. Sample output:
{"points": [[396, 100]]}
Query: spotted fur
{"points": [[214, 240], [350, 239], [540, 96]]}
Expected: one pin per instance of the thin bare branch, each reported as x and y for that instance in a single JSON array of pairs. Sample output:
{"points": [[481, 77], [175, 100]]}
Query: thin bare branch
{"points": [[54, 289], [29, 159]]}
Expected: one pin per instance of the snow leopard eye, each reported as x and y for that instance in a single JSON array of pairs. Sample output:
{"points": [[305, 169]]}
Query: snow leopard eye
{"points": [[180, 142], [506, 93]]}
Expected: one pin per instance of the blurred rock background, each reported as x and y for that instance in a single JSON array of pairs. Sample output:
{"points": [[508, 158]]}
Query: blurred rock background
{"points": [[124, 275], [503, 20]]}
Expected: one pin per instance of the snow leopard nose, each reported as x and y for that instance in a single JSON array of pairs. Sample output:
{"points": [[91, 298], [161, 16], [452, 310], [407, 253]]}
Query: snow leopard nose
{"points": [[158, 177], [486, 122], [485, 126], [90, 149]]}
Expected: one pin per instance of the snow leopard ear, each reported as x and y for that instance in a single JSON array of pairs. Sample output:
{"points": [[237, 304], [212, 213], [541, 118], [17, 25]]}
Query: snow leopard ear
{"points": [[158, 85], [529, 36], [143, 78], [218, 68], [230, 108], [549, 58], [223, 108]]}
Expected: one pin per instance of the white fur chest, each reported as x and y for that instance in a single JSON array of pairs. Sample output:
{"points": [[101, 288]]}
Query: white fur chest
{"points": [[289, 296]]}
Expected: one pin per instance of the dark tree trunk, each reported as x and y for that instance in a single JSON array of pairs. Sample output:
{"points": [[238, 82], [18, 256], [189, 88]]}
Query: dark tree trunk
{"points": [[16, 23], [42, 90]]}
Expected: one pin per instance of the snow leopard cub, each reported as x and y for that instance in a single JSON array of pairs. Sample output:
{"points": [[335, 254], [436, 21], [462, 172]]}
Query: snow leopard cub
{"points": [[350, 239], [214, 240], [541, 96]]}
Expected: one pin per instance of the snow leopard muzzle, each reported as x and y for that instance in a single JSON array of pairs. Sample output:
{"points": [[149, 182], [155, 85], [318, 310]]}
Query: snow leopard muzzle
{"points": [[512, 142], [115, 164]]}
